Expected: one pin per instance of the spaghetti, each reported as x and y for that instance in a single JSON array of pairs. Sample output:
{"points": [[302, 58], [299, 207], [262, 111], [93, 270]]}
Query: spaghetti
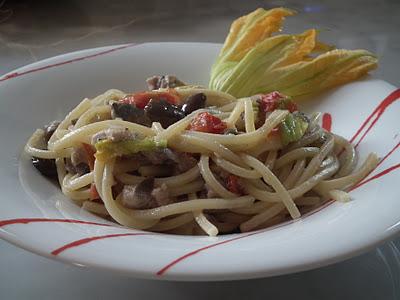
{"points": [[188, 160]]}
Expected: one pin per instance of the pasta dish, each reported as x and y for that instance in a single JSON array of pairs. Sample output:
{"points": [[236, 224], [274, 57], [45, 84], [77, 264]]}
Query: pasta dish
{"points": [[189, 160]]}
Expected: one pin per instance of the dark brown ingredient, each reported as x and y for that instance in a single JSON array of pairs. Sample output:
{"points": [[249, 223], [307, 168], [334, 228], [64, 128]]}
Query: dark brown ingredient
{"points": [[47, 167], [130, 113], [185, 162], [164, 112], [181, 162], [194, 102], [165, 81], [82, 169], [161, 156], [49, 129], [69, 166]]}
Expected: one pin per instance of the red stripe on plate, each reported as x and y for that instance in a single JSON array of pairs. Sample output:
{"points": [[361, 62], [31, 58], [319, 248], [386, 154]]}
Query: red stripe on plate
{"points": [[380, 174], [94, 238], [179, 259], [379, 110], [18, 74], [387, 155]]}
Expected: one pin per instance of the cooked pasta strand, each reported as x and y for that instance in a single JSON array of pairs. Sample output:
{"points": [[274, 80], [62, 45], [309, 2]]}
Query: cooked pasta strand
{"points": [[210, 179], [205, 224], [262, 217], [271, 179], [249, 115]]}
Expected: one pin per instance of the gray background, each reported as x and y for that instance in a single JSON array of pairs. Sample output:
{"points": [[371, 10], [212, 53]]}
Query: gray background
{"points": [[33, 30]]}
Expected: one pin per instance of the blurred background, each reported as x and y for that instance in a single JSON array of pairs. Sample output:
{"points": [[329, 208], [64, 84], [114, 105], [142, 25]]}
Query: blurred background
{"points": [[33, 30]]}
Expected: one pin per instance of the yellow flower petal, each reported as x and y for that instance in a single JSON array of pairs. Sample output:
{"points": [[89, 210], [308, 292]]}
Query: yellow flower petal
{"points": [[253, 61], [249, 30]]}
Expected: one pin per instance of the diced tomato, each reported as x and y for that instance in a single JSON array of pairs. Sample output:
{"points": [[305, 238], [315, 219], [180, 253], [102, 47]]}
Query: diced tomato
{"points": [[93, 192], [276, 100], [233, 185], [291, 106], [269, 102], [90, 151], [141, 99], [206, 122]]}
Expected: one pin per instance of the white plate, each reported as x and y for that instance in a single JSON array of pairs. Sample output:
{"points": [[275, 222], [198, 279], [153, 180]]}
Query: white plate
{"points": [[36, 216]]}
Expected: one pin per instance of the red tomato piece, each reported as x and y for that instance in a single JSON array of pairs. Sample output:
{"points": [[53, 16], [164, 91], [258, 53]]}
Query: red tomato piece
{"points": [[90, 151], [291, 106], [206, 122], [233, 185], [276, 100], [93, 192], [269, 102], [141, 99]]}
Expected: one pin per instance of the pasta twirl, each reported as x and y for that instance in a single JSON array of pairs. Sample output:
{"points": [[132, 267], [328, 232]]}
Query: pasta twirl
{"points": [[195, 161]]}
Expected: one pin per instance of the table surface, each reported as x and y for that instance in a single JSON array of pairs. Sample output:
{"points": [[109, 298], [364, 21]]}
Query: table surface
{"points": [[34, 30]]}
